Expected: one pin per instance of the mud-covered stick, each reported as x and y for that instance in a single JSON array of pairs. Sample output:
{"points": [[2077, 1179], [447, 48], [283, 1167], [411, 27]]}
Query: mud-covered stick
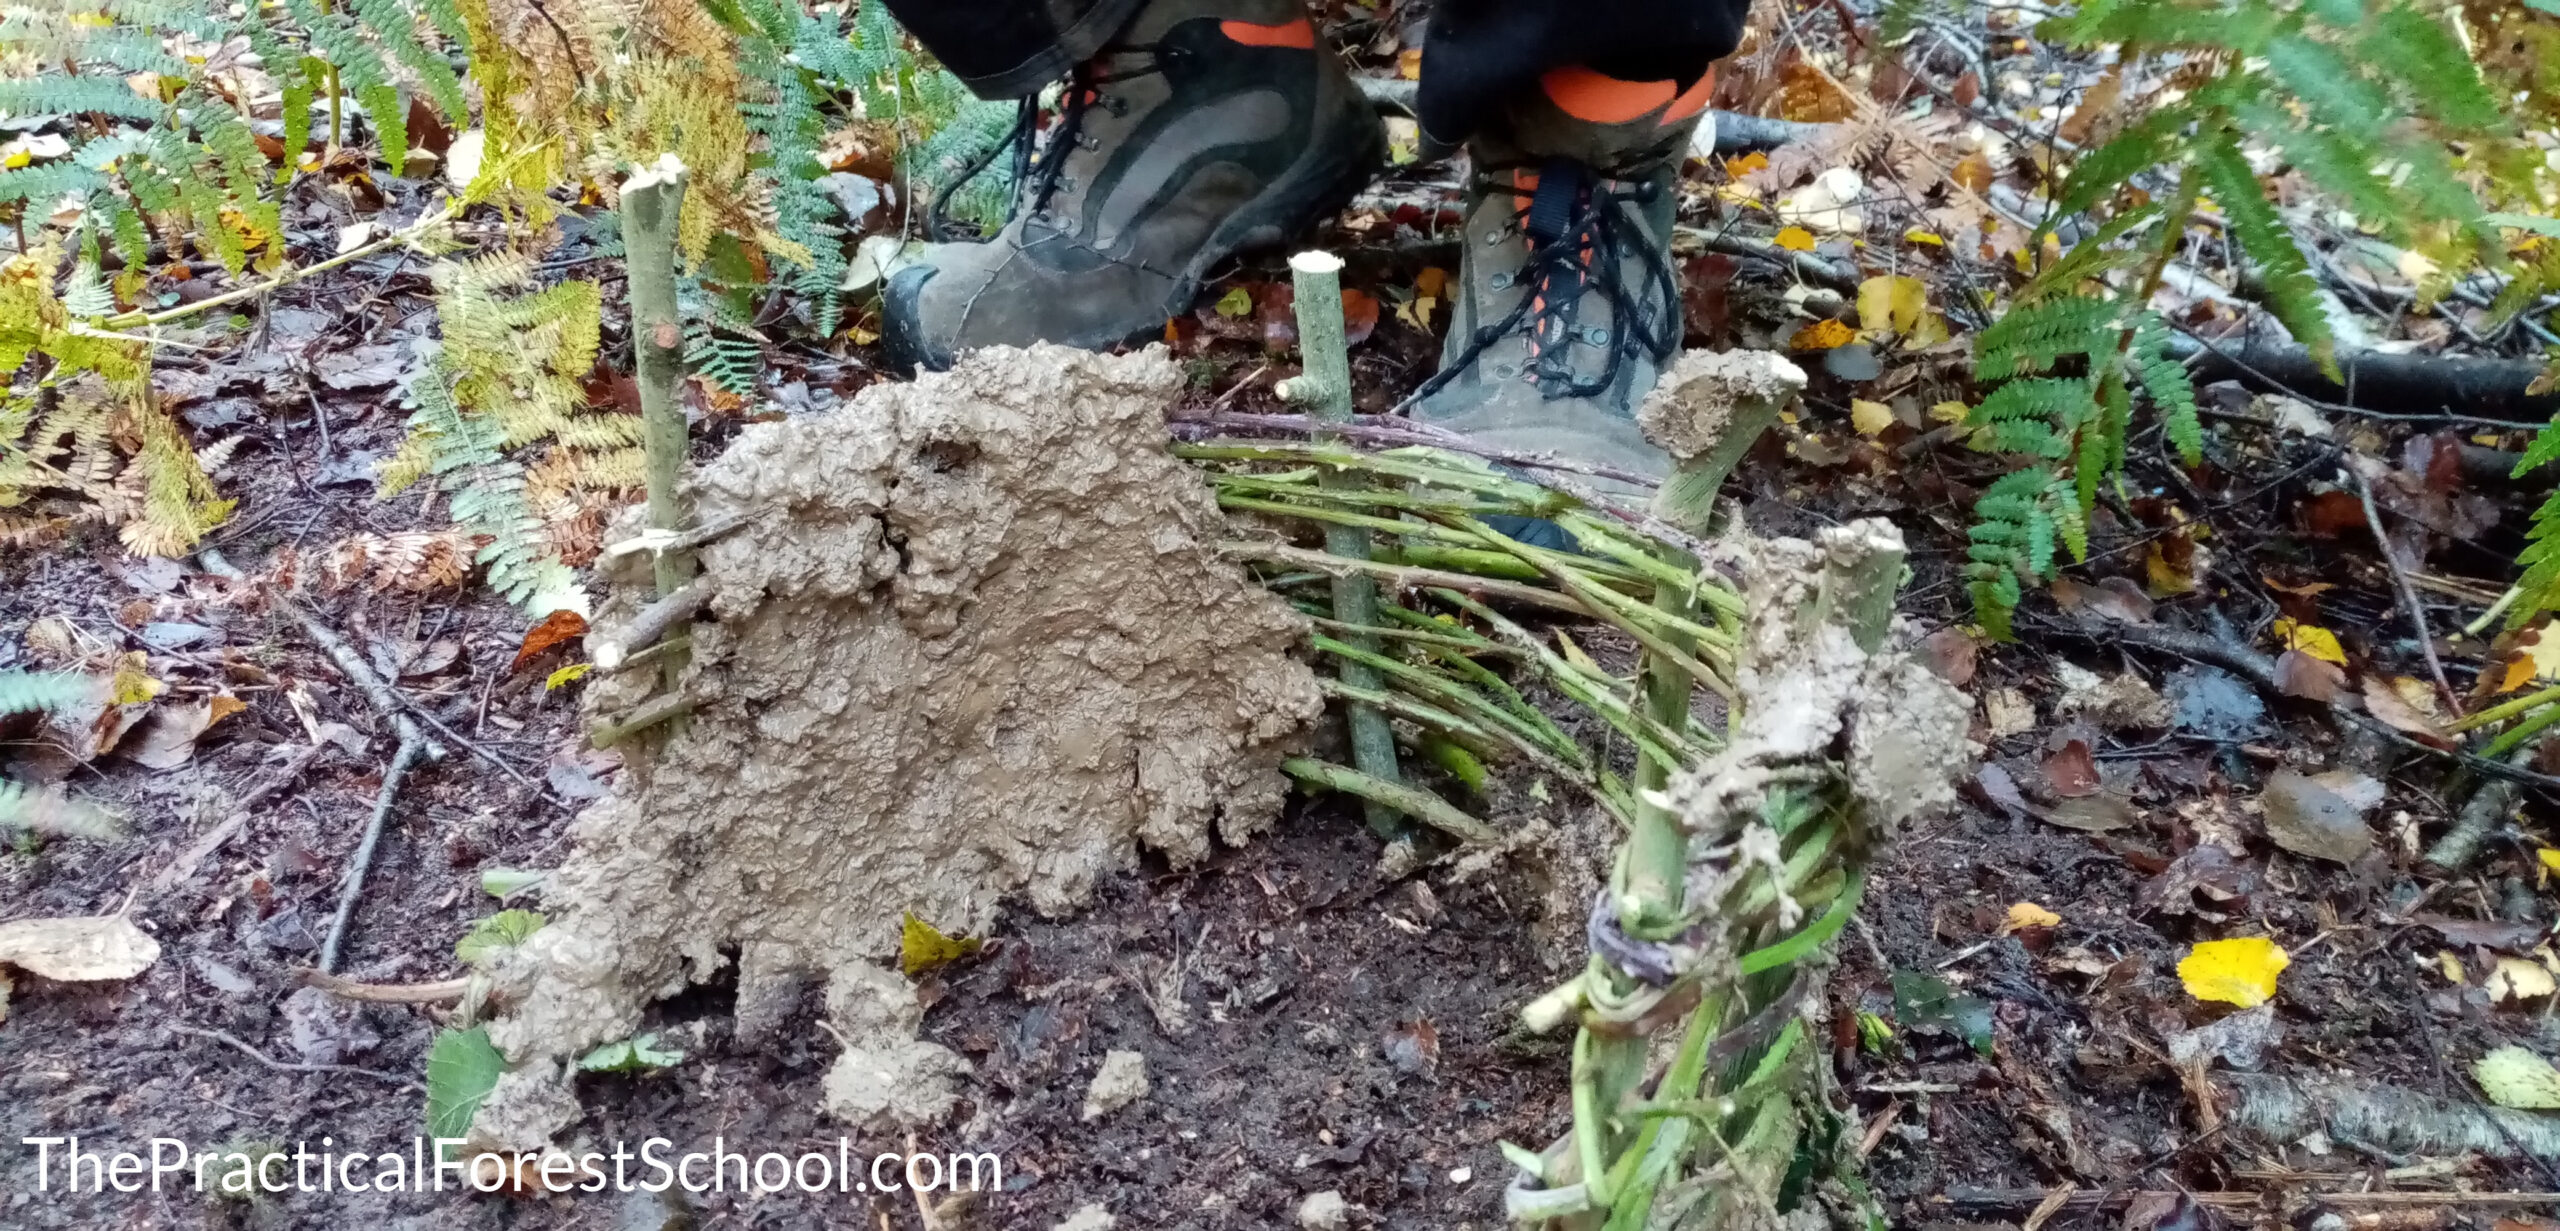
{"points": [[1324, 389], [652, 200], [651, 623]]}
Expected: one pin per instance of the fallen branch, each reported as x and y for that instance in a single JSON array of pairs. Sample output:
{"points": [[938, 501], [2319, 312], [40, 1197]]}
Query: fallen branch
{"points": [[353, 889], [1809, 266], [2388, 1116], [350, 664], [2455, 388]]}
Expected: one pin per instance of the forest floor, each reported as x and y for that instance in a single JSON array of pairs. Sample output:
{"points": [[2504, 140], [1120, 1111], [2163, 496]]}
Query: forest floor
{"points": [[2149, 781]]}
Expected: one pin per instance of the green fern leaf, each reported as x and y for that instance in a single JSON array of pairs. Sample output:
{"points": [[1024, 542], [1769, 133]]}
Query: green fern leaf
{"points": [[2292, 294], [43, 691], [2031, 337], [2171, 389], [55, 95], [2100, 172], [2437, 74]]}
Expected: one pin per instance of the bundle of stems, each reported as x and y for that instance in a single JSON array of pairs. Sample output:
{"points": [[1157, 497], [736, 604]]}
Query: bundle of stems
{"points": [[1745, 847], [1436, 542]]}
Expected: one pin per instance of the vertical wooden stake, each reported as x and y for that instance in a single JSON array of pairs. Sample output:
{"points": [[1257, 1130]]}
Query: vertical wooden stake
{"points": [[1324, 388], [652, 199]]}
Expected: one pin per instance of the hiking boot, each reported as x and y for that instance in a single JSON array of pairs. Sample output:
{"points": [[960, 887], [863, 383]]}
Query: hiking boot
{"points": [[1205, 127], [1568, 305]]}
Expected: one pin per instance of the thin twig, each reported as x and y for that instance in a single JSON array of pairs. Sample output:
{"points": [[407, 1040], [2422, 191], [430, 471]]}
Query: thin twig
{"points": [[2408, 597], [280, 1065], [353, 889], [384, 993]]}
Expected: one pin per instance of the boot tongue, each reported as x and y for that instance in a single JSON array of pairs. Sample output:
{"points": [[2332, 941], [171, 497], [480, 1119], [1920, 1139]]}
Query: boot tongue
{"points": [[1551, 207]]}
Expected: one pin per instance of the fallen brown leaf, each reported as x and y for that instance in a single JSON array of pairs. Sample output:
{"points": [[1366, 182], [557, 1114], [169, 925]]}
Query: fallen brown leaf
{"points": [[2312, 679], [2072, 770]]}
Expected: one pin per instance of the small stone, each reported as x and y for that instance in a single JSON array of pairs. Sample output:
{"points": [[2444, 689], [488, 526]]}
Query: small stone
{"points": [[1122, 1081], [1324, 1211], [2007, 712], [1091, 1218], [2115, 703], [2321, 815], [1460, 1175]]}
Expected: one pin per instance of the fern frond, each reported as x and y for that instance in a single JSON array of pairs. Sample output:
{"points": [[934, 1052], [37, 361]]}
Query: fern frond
{"points": [[2292, 294], [2031, 337], [50, 812], [2439, 77], [42, 691], [2170, 387], [2098, 254], [2155, 139], [59, 95]]}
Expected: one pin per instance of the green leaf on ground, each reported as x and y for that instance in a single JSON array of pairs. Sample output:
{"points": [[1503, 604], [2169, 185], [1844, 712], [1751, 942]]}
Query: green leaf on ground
{"points": [[498, 933], [637, 1054], [462, 1068], [1925, 1002]]}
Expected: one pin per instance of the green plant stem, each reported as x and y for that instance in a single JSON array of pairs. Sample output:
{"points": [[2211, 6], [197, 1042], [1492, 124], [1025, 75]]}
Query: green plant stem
{"points": [[652, 201], [2513, 737], [1421, 805], [1405, 576], [2503, 711], [1324, 389]]}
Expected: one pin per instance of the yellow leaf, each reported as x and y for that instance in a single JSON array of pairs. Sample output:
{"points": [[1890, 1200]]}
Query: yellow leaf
{"points": [[2514, 1077], [565, 675], [2241, 971], [1236, 302], [1950, 412], [2535, 659], [2311, 639], [1917, 236], [2451, 966], [1573, 654], [2515, 978], [1409, 64], [1929, 330], [2029, 915], [922, 947], [133, 683], [1417, 311], [1868, 417], [2166, 577], [1745, 165], [1823, 335], [2550, 858], [1795, 239], [223, 705]]}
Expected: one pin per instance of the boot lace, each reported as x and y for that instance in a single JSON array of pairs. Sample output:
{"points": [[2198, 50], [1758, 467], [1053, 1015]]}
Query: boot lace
{"points": [[1581, 227], [1039, 166]]}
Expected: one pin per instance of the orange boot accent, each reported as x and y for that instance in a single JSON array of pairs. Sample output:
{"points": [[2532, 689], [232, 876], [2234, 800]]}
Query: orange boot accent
{"points": [[1300, 34], [1692, 100], [1588, 95]]}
